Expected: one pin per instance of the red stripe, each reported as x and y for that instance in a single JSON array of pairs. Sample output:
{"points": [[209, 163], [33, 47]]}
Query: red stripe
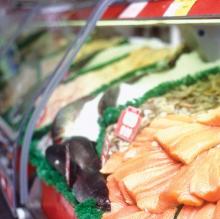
{"points": [[82, 14], [205, 7], [114, 11], [155, 9]]}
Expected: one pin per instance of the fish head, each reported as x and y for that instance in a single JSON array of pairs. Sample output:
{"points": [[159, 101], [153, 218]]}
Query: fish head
{"points": [[102, 200], [83, 153], [109, 99], [56, 156], [104, 204]]}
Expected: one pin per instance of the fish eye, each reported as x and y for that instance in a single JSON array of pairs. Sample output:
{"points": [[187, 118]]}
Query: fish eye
{"points": [[56, 162]]}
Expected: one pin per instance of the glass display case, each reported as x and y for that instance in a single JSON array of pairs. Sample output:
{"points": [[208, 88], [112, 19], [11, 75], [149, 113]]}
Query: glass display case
{"points": [[66, 64]]}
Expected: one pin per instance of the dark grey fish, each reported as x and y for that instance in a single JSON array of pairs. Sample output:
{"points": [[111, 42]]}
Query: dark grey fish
{"points": [[109, 99], [67, 114], [87, 181]]}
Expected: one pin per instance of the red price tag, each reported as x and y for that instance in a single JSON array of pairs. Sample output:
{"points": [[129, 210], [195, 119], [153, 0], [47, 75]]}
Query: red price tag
{"points": [[128, 124]]}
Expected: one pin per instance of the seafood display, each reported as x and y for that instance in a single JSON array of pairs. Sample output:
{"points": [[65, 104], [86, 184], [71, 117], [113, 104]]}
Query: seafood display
{"points": [[170, 170], [172, 161]]}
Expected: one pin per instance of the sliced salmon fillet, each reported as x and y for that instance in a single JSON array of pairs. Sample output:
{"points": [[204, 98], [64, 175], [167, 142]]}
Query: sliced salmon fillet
{"points": [[126, 211], [212, 117], [127, 197], [134, 152], [147, 185], [170, 121], [204, 212], [186, 142], [146, 134], [115, 196], [116, 159], [112, 163], [217, 211], [169, 214], [181, 118], [140, 163], [205, 182], [150, 196], [137, 215], [187, 212], [179, 188]]}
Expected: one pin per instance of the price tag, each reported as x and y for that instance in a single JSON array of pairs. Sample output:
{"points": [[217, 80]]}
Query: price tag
{"points": [[128, 124]]}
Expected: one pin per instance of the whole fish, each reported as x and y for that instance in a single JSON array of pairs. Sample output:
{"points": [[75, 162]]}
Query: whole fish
{"points": [[85, 178]]}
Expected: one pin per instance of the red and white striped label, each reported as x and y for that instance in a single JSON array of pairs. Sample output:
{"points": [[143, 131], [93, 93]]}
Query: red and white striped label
{"points": [[133, 10], [151, 10]]}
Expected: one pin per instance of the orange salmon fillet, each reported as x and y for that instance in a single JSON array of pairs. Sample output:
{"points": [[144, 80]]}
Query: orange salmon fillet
{"points": [[112, 163], [140, 163], [150, 180], [137, 215], [212, 117], [127, 197], [217, 211], [179, 188], [186, 142], [115, 196], [169, 214], [204, 212], [170, 121], [205, 182], [126, 211], [133, 214]]}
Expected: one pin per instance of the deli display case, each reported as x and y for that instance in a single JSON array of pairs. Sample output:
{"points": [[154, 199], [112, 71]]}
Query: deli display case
{"points": [[110, 109]]}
